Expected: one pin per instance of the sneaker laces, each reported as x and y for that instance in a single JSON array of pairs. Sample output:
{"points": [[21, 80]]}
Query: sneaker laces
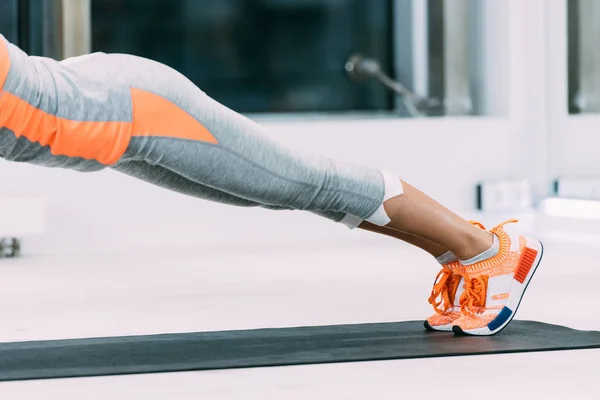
{"points": [[444, 280], [472, 300]]}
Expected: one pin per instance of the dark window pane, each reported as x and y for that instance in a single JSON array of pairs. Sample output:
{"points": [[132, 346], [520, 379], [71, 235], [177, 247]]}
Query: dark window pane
{"points": [[8, 19], [257, 55], [573, 55], [435, 25]]}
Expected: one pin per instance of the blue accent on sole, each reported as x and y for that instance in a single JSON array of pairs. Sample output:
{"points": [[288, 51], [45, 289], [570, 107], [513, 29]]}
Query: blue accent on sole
{"points": [[505, 314]]}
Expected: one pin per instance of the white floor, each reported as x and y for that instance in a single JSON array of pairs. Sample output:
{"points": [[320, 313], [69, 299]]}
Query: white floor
{"points": [[118, 295]]}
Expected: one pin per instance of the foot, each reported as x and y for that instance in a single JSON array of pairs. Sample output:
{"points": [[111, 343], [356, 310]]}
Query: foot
{"points": [[445, 297], [493, 288]]}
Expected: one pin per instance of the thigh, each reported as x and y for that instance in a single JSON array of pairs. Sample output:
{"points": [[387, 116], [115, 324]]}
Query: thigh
{"points": [[277, 178], [164, 178]]}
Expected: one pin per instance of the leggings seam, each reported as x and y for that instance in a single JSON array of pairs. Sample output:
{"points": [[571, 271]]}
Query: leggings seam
{"points": [[361, 196], [264, 169]]}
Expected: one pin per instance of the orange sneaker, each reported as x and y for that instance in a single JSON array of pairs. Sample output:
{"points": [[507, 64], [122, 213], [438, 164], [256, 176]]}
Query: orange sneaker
{"points": [[493, 288], [445, 297]]}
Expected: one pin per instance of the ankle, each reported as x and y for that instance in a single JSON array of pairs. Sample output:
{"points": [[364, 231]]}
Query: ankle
{"points": [[475, 244], [492, 251]]}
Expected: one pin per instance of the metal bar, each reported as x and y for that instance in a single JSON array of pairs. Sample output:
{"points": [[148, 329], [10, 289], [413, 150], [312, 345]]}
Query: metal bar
{"points": [[76, 24], [360, 68], [572, 11], [420, 38], [488, 57], [52, 29], [404, 49], [435, 50], [588, 15], [457, 97]]}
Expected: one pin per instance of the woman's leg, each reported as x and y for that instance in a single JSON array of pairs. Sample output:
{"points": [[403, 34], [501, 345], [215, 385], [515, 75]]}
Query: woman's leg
{"points": [[92, 105], [105, 110], [167, 179], [430, 247], [231, 154], [101, 110], [312, 186], [164, 178], [180, 128]]}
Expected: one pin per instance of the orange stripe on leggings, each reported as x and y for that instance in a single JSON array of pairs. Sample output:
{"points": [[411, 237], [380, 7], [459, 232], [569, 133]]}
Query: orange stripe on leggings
{"points": [[104, 142], [4, 63], [155, 116]]}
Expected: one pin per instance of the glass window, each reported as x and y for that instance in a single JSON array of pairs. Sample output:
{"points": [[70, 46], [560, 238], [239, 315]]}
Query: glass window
{"points": [[8, 19], [270, 56], [27, 24], [258, 56], [583, 56], [452, 54]]}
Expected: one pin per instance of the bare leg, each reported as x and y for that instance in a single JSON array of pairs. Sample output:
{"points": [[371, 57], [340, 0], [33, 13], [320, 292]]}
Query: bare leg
{"points": [[424, 244], [169, 180], [419, 215]]}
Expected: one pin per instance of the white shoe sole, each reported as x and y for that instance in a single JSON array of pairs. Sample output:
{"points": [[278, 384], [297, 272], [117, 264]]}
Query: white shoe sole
{"points": [[438, 328]]}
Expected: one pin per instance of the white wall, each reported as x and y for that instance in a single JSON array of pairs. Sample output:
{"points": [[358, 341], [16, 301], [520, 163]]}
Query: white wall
{"points": [[445, 157]]}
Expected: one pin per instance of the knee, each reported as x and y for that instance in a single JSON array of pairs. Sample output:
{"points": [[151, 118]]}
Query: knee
{"points": [[393, 188]]}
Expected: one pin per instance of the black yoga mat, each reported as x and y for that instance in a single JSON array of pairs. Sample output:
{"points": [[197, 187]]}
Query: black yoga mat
{"points": [[271, 347]]}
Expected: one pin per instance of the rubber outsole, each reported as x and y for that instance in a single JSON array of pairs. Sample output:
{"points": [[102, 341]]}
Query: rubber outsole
{"points": [[428, 326], [459, 332]]}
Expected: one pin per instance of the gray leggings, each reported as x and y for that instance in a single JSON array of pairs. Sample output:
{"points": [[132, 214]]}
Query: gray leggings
{"points": [[251, 170], [245, 167], [144, 119]]}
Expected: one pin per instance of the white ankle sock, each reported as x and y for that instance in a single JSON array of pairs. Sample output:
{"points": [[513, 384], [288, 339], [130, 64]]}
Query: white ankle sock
{"points": [[446, 258], [489, 253]]}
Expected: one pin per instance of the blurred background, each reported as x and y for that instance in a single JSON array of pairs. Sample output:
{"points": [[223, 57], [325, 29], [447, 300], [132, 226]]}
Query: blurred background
{"points": [[495, 114], [508, 94]]}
